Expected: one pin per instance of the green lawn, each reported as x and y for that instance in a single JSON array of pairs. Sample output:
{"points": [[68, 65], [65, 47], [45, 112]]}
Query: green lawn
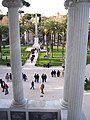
{"points": [[88, 57], [56, 60], [6, 52], [87, 86]]}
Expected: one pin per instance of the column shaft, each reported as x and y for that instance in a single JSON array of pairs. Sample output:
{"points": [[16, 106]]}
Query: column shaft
{"points": [[69, 47], [16, 67], [78, 62]]}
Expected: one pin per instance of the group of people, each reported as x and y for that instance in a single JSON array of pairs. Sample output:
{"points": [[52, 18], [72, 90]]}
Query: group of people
{"points": [[43, 76], [8, 77], [4, 86], [55, 73], [42, 86], [32, 55], [37, 77]]}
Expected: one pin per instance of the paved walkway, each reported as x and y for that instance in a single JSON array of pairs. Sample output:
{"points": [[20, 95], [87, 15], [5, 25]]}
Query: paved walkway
{"points": [[53, 86]]}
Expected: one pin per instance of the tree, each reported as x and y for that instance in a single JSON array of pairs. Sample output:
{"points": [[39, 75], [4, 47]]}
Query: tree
{"points": [[27, 4], [27, 16], [1, 17], [3, 30], [50, 28]]}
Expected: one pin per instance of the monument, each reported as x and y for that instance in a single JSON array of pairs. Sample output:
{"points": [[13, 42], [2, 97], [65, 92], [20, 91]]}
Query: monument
{"points": [[36, 39]]}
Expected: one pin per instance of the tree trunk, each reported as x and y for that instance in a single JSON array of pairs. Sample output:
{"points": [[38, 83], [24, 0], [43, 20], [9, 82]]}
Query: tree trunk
{"points": [[50, 42], [58, 42], [22, 38], [47, 41], [63, 50], [54, 37]]}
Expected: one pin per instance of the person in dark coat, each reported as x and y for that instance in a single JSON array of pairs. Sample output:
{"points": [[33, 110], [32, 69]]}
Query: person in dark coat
{"points": [[24, 77], [52, 73], [10, 76], [2, 84], [35, 77], [45, 77], [48, 65], [42, 77], [32, 58], [32, 85], [58, 73]]}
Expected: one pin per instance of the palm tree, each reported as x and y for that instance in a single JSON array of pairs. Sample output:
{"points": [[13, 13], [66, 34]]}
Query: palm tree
{"points": [[27, 4]]}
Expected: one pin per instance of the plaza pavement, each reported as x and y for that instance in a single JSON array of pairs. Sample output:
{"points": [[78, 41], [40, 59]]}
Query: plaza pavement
{"points": [[53, 86]]}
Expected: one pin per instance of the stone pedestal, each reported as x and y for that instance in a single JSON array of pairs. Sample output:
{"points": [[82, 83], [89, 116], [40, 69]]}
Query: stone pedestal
{"points": [[36, 44]]}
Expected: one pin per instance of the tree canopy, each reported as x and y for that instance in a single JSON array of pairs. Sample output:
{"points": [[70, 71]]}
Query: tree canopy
{"points": [[27, 4]]}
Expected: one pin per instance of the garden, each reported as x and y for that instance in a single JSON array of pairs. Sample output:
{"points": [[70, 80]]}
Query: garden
{"points": [[6, 55]]}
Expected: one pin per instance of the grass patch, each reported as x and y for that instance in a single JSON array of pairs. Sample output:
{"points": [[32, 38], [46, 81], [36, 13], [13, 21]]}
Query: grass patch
{"points": [[6, 52], [88, 57], [56, 60], [87, 86]]}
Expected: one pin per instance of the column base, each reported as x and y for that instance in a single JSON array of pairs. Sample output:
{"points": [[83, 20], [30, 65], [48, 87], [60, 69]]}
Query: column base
{"points": [[64, 115], [64, 104], [24, 104], [83, 117]]}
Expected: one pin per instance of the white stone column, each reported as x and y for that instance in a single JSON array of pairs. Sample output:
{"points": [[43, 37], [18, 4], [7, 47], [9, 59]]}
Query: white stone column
{"points": [[15, 51], [69, 47], [78, 62]]}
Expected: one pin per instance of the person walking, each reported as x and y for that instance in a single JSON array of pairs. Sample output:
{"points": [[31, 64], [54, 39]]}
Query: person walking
{"points": [[24, 77], [35, 77], [10, 75], [2, 84], [58, 73], [45, 77], [7, 77], [32, 85], [42, 88], [42, 76], [6, 88], [52, 73]]}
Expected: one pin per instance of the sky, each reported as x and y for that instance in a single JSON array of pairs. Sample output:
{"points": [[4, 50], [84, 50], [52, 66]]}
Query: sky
{"points": [[44, 7]]}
